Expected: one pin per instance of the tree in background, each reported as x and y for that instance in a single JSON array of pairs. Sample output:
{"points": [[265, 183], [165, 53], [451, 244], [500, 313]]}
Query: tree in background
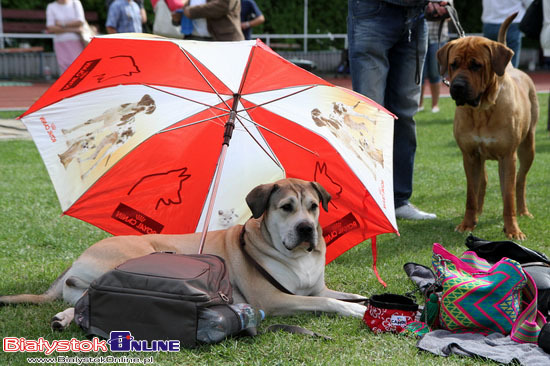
{"points": [[287, 17], [469, 14]]}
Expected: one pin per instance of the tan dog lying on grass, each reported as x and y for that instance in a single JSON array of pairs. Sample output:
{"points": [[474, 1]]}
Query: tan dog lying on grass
{"points": [[284, 237], [497, 110]]}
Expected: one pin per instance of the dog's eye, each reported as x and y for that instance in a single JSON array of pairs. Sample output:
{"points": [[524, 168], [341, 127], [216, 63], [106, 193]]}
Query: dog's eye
{"points": [[314, 207], [287, 207], [475, 66], [454, 65]]}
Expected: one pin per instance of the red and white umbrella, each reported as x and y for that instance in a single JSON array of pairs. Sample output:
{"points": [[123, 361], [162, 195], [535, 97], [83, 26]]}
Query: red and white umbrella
{"points": [[139, 130]]}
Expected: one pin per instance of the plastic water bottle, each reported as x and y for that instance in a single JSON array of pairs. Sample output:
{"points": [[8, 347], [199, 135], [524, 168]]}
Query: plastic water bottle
{"points": [[221, 321]]}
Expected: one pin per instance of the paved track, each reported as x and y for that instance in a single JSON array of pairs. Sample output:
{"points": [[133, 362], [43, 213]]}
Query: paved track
{"points": [[20, 96]]}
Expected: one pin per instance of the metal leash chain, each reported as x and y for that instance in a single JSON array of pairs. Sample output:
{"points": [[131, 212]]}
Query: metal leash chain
{"points": [[460, 31], [451, 11], [454, 18]]}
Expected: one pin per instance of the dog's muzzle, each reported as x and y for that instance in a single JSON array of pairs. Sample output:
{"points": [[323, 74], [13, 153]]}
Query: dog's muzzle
{"points": [[462, 93], [306, 233]]}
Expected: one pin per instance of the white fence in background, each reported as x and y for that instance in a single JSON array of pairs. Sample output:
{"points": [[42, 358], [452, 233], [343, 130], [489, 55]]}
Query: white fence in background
{"points": [[268, 38], [38, 65]]}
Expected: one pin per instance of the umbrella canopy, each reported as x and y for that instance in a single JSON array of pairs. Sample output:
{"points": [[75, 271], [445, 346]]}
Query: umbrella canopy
{"points": [[133, 133]]}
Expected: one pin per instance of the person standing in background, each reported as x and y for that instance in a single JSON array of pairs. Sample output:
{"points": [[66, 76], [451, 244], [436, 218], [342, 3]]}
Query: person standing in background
{"points": [[493, 15], [251, 16], [141, 9], [124, 16], [200, 26], [64, 19], [223, 18], [387, 46], [545, 31], [431, 67]]}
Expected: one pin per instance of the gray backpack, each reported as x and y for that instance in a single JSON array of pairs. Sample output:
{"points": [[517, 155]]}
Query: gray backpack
{"points": [[155, 297]]}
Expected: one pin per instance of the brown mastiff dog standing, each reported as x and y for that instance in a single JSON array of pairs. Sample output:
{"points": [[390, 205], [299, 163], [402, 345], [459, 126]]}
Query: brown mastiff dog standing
{"points": [[283, 237], [497, 110]]}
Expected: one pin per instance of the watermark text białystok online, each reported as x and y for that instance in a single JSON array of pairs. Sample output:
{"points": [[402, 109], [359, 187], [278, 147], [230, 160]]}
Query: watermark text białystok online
{"points": [[78, 360]]}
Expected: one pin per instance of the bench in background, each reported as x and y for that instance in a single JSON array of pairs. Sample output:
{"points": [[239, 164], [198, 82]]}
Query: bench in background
{"points": [[32, 20], [25, 61]]}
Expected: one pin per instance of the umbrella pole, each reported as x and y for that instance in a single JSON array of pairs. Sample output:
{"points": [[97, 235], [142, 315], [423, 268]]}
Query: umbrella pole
{"points": [[228, 132]]}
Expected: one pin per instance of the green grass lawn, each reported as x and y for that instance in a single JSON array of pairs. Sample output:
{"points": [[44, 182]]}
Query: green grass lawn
{"points": [[37, 244]]}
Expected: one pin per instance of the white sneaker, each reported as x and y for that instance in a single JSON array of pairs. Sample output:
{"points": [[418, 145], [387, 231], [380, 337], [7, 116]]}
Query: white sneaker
{"points": [[435, 109], [410, 212]]}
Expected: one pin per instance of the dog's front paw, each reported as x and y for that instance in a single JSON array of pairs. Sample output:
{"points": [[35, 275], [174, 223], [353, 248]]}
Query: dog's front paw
{"points": [[465, 227], [357, 310], [515, 234]]}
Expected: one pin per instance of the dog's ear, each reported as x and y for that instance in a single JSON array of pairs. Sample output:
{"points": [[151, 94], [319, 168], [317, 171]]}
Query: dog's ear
{"points": [[148, 103], [258, 198], [324, 196], [146, 100], [500, 57], [443, 57]]}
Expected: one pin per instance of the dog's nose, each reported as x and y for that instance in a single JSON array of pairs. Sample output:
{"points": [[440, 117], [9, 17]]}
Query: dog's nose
{"points": [[458, 88], [304, 230], [459, 91]]}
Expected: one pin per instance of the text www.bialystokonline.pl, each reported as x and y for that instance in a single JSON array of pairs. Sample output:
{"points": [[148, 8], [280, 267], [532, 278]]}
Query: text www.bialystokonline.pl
{"points": [[77, 360]]}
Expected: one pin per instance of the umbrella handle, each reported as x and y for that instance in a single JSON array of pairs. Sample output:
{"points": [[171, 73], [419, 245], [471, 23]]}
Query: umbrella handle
{"points": [[227, 134], [213, 197]]}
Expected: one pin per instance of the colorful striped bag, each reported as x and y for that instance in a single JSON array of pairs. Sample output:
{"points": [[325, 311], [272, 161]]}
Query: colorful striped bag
{"points": [[483, 298]]}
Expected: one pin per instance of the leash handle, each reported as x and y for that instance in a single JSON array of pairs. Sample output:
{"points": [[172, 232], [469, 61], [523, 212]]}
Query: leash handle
{"points": [[454, 18]]}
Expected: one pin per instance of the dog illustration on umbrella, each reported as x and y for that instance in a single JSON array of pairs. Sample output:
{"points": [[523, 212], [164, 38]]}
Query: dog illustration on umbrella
{"points": [[119, 125], [354, 129]]}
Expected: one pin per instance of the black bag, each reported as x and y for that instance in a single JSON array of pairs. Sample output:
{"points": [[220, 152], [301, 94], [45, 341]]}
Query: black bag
{"points": [[531, 23], [533, 262], [155, 297], [493, 251]]}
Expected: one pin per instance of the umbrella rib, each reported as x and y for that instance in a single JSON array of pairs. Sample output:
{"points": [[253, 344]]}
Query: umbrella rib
{"points": [[245, 73], [268, 153], [277, 99], [194, 123], [279, 135], [185, 98], [204, 77]]}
